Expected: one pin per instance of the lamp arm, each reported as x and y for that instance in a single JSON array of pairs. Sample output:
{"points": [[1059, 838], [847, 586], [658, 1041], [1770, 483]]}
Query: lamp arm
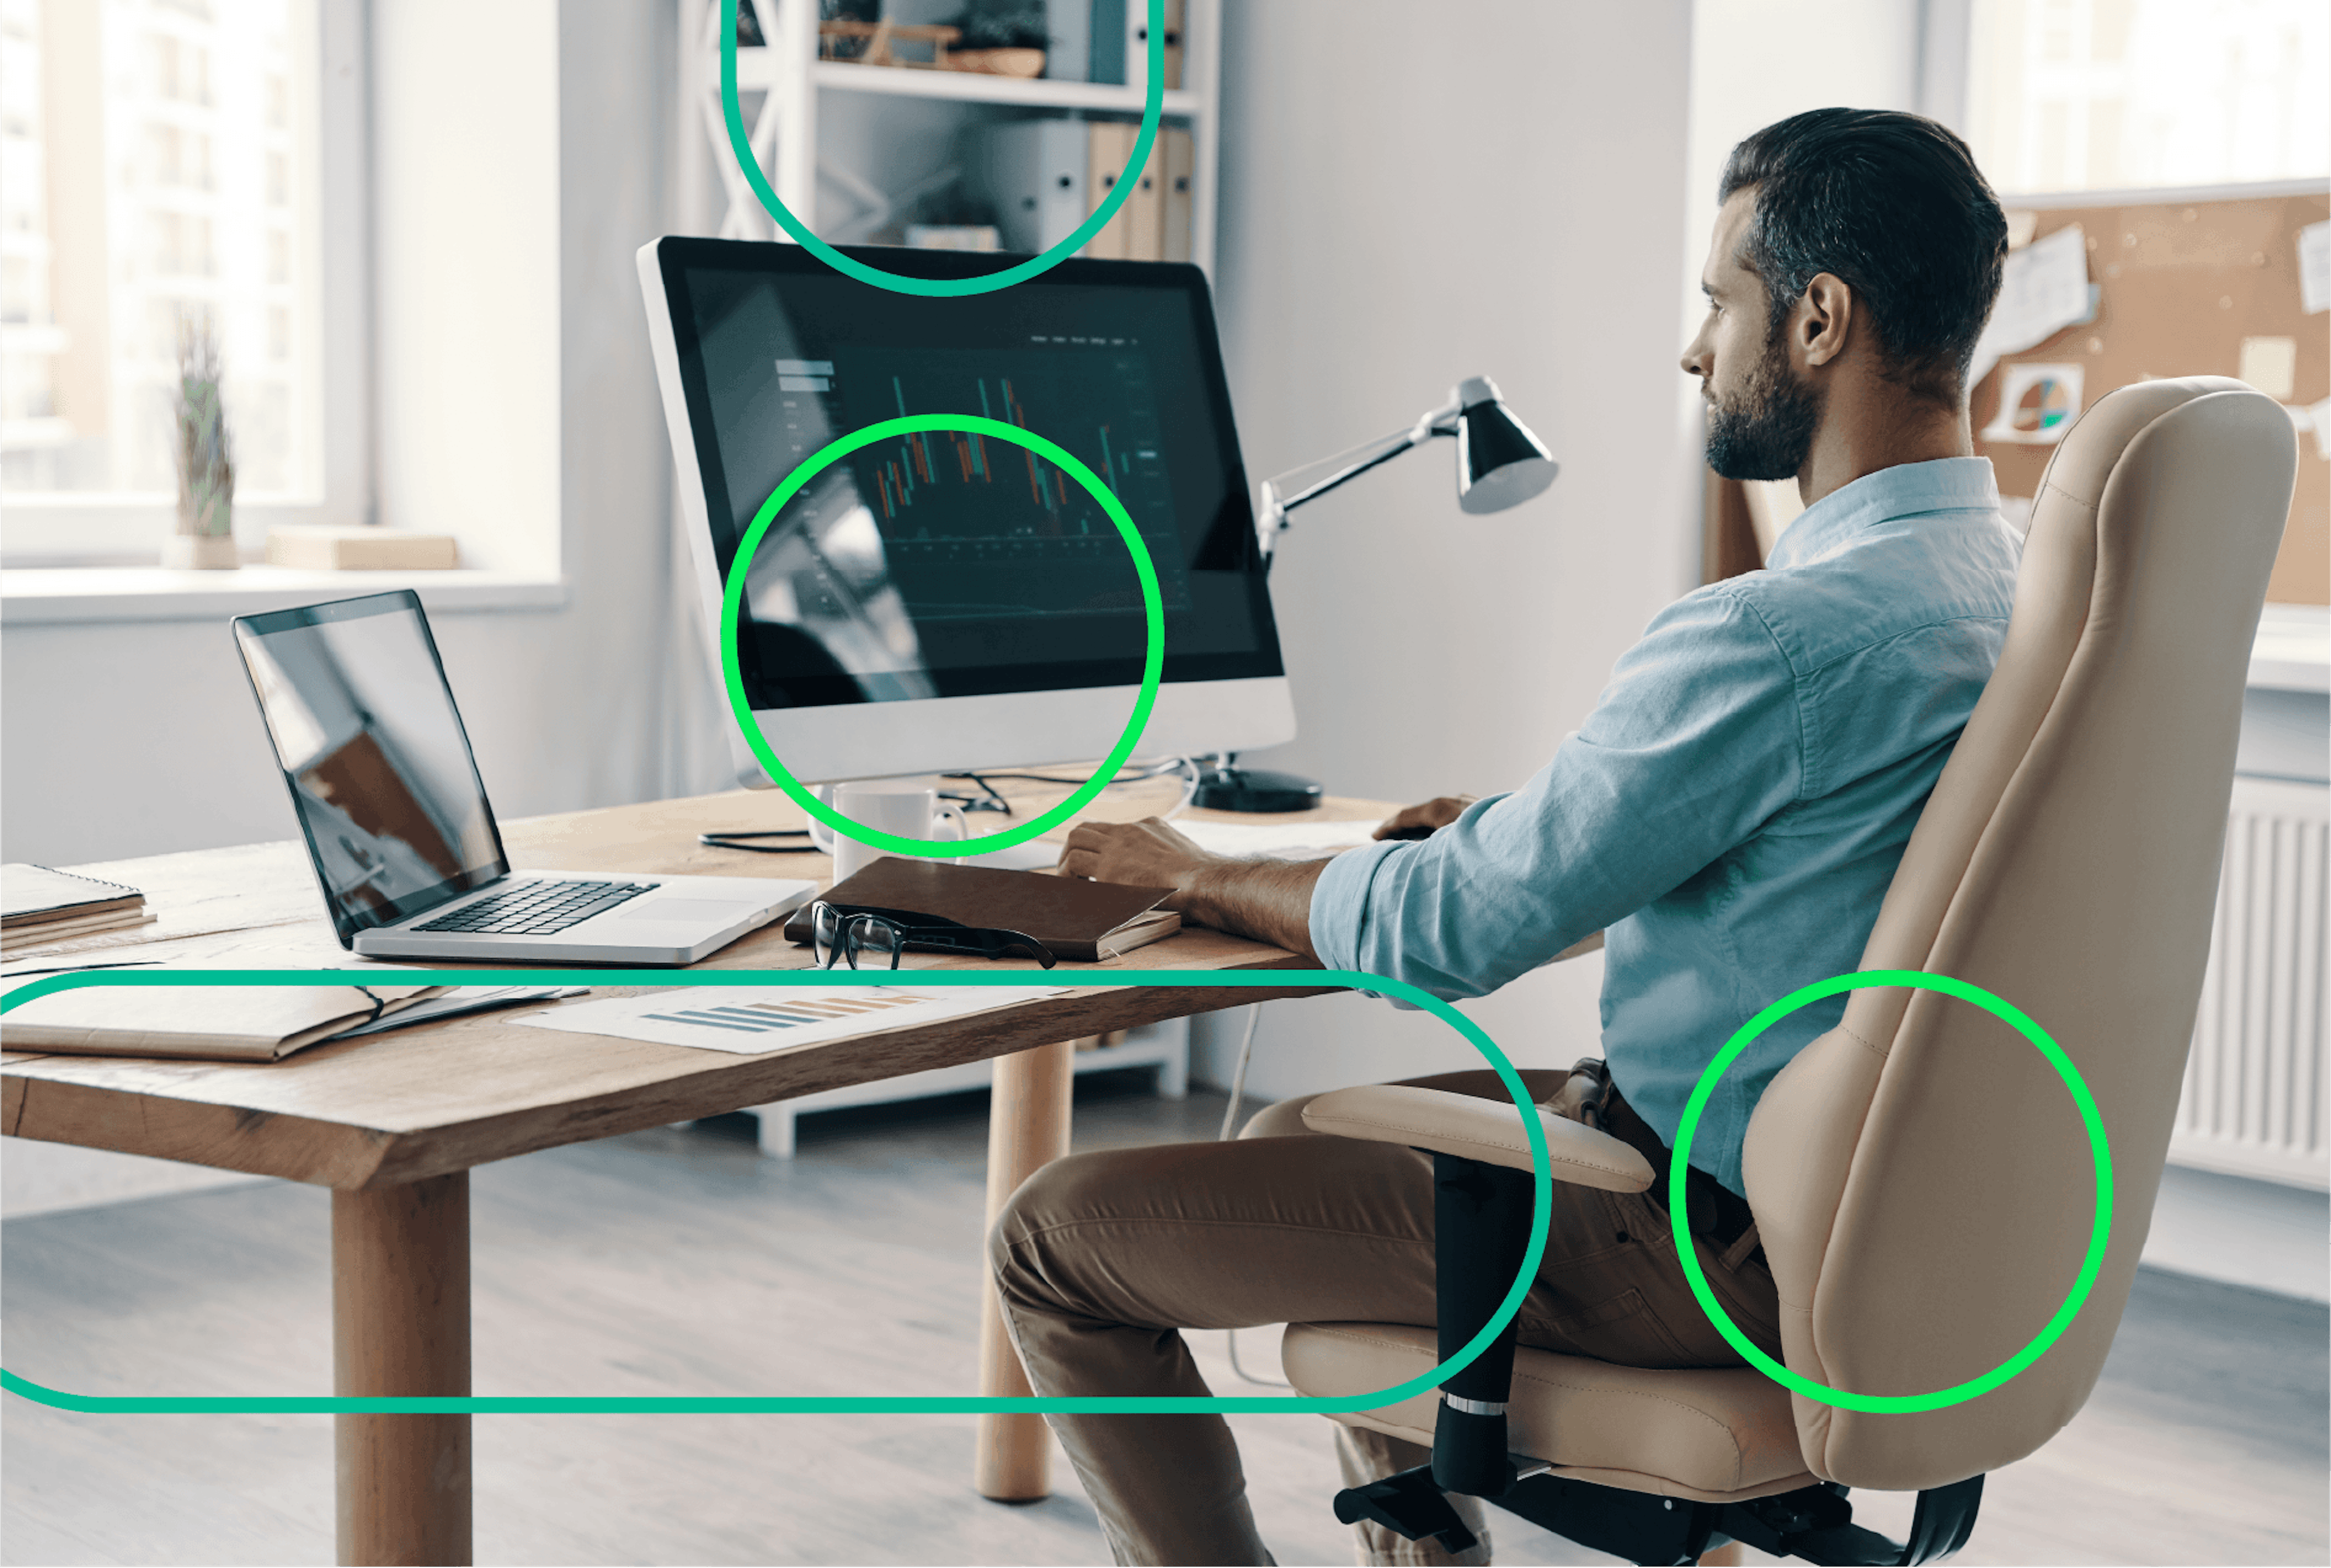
{"points": [[1270, 513]]}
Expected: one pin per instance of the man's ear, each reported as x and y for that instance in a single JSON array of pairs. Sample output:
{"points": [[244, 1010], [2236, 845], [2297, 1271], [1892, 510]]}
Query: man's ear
{"points": [[1822, 323]]}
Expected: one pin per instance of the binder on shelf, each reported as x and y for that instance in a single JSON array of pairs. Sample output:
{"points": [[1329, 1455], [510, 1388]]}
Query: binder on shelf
{"points": [[1171, 61], [1180, 168], [1144, 210], [1035, 175], [1110, 144], [1120, 43], [1106, 26], [1068, 51]]}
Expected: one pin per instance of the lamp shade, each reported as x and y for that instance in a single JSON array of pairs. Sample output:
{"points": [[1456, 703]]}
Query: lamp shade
{"points": [[1499, 463]]}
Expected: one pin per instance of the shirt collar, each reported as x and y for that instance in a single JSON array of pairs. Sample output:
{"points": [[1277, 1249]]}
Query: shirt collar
{"points": [[1948, 484]]}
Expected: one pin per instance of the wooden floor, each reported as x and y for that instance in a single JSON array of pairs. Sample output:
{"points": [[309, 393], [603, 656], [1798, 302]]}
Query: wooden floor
{"points": [[680, 1261]]}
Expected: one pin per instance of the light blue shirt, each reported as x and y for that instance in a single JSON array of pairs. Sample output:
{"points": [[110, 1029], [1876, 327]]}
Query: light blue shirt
{"points": [[1732, 811]]}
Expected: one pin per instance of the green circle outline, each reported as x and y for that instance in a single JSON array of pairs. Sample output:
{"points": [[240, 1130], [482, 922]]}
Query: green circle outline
{"points": [[2100, 1231], [732, 599], [1153, 110]]}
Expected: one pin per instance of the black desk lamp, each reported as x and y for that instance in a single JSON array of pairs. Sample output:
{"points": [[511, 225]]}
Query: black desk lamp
{"points": [[1500, 464]]}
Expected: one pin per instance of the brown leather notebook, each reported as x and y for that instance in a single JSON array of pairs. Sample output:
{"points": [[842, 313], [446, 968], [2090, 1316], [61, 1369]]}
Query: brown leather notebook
{"points": [[1081, 921]]}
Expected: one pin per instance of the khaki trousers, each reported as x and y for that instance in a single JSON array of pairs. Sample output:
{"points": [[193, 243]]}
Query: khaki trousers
{"points": [[1101, 1259]]}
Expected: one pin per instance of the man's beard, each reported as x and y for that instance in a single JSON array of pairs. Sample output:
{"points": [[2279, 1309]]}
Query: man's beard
{"points": [[1767, 436]]}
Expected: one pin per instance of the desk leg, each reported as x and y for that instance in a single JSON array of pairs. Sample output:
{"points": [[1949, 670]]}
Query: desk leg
{"points": [[1027, 1127], [401, 1327]]}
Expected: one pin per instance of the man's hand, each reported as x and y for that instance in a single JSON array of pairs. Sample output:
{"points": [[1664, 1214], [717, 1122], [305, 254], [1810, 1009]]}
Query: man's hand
{"points": [[1144, 854], [1268, 900], [1422, 822]]}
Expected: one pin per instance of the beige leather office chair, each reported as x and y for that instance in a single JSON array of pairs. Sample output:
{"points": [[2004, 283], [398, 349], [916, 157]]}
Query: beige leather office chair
{"points": [[1919, 1176]]}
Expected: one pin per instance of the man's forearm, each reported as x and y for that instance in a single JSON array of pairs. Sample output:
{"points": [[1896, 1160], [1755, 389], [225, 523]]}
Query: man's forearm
{"points": [[1266, 900]]}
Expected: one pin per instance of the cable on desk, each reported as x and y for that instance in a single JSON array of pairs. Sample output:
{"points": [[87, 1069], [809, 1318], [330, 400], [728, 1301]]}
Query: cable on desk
{"points": [[991, 800], [1194, 774]]}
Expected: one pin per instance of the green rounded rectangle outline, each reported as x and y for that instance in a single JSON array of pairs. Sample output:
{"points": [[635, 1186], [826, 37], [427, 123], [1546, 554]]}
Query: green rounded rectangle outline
{"points": [[1243, 978]]}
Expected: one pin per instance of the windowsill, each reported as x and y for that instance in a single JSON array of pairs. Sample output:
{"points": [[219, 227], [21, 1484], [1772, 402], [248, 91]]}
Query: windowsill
{"points": [[64, 595], [2293, 651]]}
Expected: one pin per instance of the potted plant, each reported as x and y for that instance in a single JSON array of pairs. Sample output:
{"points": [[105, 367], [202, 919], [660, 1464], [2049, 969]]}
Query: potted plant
{"points": [[1002, 38], [206, 535]]}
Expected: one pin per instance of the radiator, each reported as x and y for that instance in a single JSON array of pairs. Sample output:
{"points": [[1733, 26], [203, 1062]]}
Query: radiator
{"points": [[2257, 1099]]}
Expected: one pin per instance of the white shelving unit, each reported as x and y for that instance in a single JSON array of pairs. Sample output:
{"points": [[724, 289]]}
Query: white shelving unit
{"points": [[881, 137], [1162, 1046]]}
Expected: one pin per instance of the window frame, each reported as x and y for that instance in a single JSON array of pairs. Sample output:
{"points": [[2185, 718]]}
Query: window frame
{"points": [[1948, 78], [125, 529]]}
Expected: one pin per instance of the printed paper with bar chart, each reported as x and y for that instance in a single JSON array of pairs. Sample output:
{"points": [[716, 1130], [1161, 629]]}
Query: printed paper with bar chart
{"points": [[752, 1020]]}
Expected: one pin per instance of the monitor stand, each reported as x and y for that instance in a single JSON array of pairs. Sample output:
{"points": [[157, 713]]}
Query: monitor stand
{"points": [[1230, 788]]}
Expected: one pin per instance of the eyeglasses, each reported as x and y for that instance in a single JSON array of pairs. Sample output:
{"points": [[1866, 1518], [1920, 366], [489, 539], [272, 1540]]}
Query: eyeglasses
{"points": [[840, 933]]}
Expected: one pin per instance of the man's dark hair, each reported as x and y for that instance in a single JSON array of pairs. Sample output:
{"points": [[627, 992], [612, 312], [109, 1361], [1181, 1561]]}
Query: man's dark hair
{"points": [[1893, 205]]}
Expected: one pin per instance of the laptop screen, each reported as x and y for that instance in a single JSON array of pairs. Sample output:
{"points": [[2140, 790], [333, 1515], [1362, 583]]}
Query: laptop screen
{"points": [[373, 750]]}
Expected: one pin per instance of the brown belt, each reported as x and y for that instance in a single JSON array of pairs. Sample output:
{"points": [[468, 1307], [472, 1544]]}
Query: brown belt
{"points": [[1717, 1216]]}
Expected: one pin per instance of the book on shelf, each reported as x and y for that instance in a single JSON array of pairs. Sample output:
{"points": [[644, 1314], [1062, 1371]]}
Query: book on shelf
{"points": [[954, 237], [39, 905]]}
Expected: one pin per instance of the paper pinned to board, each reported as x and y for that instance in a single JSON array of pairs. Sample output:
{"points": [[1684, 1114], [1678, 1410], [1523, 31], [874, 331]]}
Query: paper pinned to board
{"points": [[2042, 289], [2037, 404], [2315, 267], [2270, 365]]}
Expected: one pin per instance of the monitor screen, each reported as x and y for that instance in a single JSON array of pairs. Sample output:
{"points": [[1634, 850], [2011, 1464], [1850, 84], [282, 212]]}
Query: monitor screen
{"points": [[950, 563], [373, 749]]}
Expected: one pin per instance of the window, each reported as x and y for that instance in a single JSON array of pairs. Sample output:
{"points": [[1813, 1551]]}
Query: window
{"points": [[164, 166], [2078, 95]]}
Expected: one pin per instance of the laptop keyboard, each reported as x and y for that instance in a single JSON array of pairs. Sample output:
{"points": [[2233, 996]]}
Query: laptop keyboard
{"points": [[533, 909]]}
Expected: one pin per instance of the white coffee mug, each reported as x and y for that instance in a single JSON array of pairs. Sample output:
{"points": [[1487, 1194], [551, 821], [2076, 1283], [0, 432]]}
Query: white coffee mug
{"points": [[907, 808]]}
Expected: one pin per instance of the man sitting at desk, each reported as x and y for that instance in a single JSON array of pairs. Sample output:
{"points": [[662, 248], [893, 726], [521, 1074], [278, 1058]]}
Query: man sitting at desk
{"points": [[1728, 817]]}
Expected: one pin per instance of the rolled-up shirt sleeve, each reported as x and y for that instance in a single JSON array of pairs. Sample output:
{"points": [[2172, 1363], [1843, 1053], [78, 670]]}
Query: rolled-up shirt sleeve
{"points": [[1697, 740]]}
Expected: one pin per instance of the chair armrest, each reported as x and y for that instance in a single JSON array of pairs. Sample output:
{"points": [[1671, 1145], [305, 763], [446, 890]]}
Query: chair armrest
{"points": [[1489, 1131]]}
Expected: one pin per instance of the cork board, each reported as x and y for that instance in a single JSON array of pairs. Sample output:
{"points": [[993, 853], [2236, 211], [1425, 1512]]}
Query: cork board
{"points": [[2183, 284]]}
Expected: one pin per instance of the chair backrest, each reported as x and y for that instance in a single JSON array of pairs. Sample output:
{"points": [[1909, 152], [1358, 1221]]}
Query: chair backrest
{"points": [[1921, 1178]]}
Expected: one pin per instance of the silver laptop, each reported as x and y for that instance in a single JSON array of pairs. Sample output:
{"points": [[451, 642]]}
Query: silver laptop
{"points": [[404, 843]]}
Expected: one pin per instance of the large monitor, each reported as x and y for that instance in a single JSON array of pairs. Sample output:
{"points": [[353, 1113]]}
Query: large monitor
{"points": [[948, 600]]}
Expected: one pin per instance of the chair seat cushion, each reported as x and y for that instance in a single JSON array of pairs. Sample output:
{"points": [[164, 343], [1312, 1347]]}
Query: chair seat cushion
{"points": [[1714, 1434]]}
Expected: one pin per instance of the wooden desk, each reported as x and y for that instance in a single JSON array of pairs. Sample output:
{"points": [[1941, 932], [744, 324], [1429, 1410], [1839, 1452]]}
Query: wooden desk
{"points": [[394, 1123]]}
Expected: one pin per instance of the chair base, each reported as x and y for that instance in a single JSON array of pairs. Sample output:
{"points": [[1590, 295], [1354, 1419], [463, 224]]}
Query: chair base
{"points": [[1813, 1524]]}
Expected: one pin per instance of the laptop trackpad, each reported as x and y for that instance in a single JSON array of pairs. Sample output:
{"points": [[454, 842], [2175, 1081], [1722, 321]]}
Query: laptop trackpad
{"points": [[696, 911]]}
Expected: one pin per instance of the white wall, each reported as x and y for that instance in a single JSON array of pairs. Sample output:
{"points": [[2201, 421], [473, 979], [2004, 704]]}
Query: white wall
{"points": [[519, 161], [1413, 194], [1755, 61]]}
